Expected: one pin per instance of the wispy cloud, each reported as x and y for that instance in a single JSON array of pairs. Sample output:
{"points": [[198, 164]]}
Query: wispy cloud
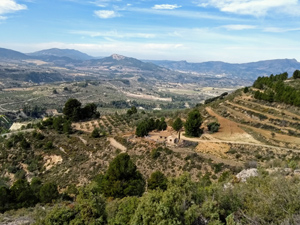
{"points": [[250, 7], [106, 14], [104, 3], [238, 27], [154, 46], [114, 34], [10, 6], [185, 14], [166, 6], [280, 30]]}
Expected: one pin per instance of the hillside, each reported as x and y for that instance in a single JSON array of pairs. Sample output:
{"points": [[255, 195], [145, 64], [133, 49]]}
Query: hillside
{"points": [[7, 54]]}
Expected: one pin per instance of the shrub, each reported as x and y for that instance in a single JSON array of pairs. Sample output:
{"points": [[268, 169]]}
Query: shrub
{"points": [[155, 153], [157, 180], [95, 133], [24, 144], [213, 127], [48, 192], [49, 145]]}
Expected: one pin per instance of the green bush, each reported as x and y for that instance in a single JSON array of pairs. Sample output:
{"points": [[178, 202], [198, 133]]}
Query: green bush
{"points": [[95, 133], [89, 208], [24, 144], [120, 211], [49, 145], [157, 180], [155, 153], [213, 127], [48, 192]]}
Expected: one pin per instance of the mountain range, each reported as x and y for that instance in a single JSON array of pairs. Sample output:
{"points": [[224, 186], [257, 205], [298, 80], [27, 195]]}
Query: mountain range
{"points": [[162, 70], [244, 70]]}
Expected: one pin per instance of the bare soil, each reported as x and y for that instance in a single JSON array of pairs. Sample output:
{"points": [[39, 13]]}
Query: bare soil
{"points": [[229, 130]]}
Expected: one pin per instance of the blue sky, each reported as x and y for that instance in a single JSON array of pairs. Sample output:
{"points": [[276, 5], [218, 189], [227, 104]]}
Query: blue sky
{"points": [[198, 30]]}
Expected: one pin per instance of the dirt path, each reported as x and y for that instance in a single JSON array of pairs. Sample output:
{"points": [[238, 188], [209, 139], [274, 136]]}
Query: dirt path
{"points": [[117, 145], [270, 116], [246, 117], [278, 137], [269, 107], [208, 155], [229, 130], [12, 103]]}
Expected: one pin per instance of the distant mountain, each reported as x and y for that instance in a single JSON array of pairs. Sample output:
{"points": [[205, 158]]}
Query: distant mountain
{"points": [[116, 66], [119, 62], [70, 53], [12, 55], [244, 70]]}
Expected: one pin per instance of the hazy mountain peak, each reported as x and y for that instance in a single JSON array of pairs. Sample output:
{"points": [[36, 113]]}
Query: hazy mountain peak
{"points": [[118, 57]]}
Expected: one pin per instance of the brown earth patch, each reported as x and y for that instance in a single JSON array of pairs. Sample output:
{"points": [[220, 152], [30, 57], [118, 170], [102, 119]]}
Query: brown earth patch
{"points": [[52, 160], [218, 149], [229, 130]]}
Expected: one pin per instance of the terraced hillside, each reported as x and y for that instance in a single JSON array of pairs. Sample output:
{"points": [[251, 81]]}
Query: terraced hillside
{"points": [[252, 129]]}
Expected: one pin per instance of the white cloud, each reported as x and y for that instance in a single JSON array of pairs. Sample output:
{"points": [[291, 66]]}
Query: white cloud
{"points": [[250, 7], [114, 34], [184, 14], [3, 18], [154, 46], [106, 14], [166, 6], [238, 27], [280, 30], [10, 6], [103, 3]]}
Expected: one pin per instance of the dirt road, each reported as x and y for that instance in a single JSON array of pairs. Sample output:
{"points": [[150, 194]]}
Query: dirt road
{"points": [[116, 144]]}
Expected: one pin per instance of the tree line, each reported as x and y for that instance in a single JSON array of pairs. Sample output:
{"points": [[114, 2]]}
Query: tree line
{"points": [[192, 125], [74, 112], [24, 194], [273, 89]]}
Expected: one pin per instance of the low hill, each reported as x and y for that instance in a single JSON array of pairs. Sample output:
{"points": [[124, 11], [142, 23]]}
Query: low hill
{"points": [[120, 62], [12, 55], [70, 53]]}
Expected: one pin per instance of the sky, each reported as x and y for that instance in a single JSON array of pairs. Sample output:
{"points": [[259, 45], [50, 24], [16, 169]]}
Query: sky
{"points": [[234, 31]]}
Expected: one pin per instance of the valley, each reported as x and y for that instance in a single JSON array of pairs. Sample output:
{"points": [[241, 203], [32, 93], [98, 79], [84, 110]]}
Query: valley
{"points": [[52, 135]]}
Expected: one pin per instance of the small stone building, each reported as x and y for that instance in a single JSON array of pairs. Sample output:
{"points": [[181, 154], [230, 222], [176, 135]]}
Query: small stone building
{"points": [[172, 140]]}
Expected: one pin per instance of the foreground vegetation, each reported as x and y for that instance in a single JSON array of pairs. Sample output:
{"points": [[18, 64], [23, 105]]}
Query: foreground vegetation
{"points": [[265, 199]]}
